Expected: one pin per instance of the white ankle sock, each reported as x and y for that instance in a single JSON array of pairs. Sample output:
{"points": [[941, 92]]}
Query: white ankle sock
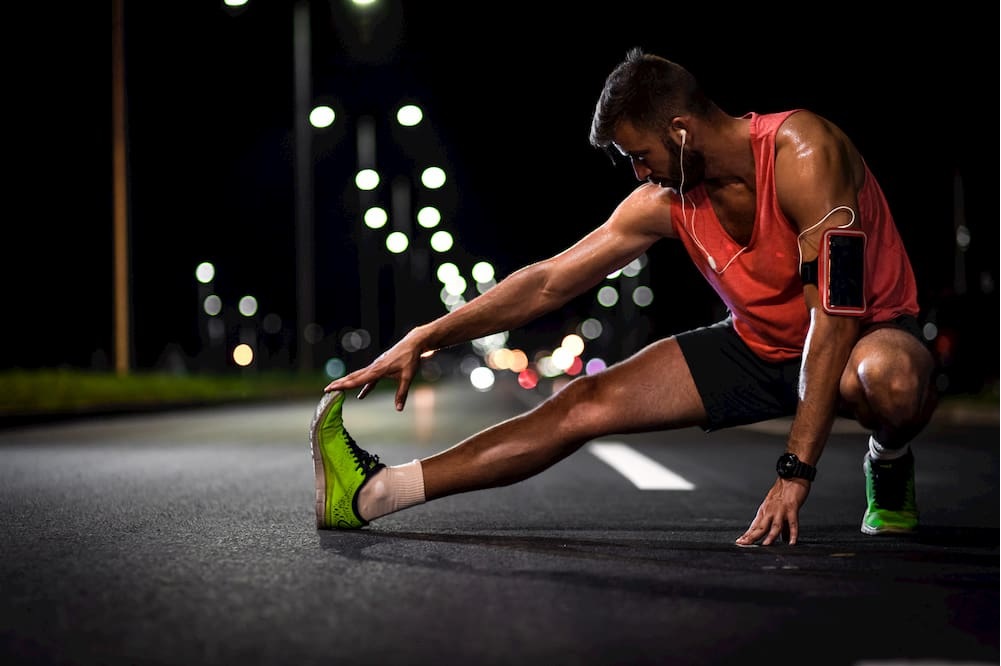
{"points": [[878, 452], [392, 489]]}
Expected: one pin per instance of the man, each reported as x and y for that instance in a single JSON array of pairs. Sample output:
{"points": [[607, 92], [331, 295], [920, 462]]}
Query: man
{"points": [[783, 218]]}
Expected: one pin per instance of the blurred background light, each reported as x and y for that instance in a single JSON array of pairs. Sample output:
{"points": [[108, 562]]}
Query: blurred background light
{"points": [[482, 378], [608, 296], [483, 271], [441, 241], [356, 340], [519, 360], [334, 368], [321, 117], [528, 379], [433, 177], [409, 115], [573, 344], [205, 272], [447, 271], [428, 217], [212, 305], [397, 242], [243, 355], [247, 306], [591, 328], [456, 286], [367, 179], [376, 217], [643, 296]]}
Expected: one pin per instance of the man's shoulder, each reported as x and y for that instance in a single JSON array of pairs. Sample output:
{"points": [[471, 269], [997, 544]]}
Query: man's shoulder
{"points": [[773, 120]]}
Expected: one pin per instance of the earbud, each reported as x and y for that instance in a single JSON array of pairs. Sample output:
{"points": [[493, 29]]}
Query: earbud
{"points": [[683, 134]]}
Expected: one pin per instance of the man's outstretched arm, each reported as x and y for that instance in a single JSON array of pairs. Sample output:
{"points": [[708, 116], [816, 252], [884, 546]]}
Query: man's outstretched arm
{"points": [[526, 294]]}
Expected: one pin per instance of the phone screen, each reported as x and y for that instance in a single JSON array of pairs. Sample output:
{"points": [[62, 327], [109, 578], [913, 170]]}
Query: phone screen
{"points": [[846, 267]]}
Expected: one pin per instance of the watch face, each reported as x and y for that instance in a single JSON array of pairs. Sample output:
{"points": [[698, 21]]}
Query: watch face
{"points": [[789, 466], [786, 464]]}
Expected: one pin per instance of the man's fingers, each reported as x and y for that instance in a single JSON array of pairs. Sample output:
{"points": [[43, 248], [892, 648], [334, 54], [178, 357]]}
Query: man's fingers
{"points": [[774, 533], [401, 393], [752, 534], [346, 382], [770, 533], [790, 533]]}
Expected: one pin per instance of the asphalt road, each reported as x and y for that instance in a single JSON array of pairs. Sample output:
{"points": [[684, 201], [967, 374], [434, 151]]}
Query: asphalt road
{"points": [[188, 537]]}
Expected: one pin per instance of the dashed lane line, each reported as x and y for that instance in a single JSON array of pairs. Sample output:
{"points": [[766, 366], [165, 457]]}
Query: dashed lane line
{"points": [[644, 472]]}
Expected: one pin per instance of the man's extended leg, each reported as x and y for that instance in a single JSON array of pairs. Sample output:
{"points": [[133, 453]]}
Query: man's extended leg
{"points": [[651, 390], [888, 385]]}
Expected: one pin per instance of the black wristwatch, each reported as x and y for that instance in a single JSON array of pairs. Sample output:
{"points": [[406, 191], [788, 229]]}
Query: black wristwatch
{"points": [[790, 467]]}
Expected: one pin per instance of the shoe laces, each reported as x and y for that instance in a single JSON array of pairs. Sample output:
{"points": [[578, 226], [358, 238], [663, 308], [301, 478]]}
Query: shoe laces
{"points": [[365, 460]]}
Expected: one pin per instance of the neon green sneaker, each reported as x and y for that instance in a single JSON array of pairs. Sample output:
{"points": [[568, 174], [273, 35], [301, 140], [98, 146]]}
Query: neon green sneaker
{"points": [[889, 490], [340, 465]]}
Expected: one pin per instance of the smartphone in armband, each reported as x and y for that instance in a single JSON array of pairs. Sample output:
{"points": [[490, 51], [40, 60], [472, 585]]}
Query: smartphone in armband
{"points": [[842, 272]]}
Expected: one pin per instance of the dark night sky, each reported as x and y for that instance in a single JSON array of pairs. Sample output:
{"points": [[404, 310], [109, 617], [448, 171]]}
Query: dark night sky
{"points": [[509, 96]]}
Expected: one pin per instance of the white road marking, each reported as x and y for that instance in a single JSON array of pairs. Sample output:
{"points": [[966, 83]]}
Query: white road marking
{"points": [[645, 473]]}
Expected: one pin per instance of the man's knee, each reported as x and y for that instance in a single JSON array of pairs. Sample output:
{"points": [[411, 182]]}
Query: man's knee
{"points": [[894, 386], [582, 402]]}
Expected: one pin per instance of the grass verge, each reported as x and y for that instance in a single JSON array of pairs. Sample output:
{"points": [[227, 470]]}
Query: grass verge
{"points": [[40, 392]]}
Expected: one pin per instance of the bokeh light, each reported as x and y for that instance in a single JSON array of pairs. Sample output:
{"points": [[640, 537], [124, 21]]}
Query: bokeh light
{"points": [[441, 241], [243, 355], [205, 272], [433, 178], [447, 271], [643, 296], [248, 306], [397, 242], [528, 379], [376, 217], [409, 115], [482, 378], [334, 368], [212, 305], [608, 296], [367, 179], [322, 116], [483, 271], [591, 328], [428, 217]]}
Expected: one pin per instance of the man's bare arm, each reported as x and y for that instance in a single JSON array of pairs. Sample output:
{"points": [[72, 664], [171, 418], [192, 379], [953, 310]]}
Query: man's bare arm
{"points": [[817, 171]]}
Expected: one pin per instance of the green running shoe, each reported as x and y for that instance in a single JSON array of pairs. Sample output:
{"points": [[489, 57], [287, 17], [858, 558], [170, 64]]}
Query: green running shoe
{"points": [[340, 465], [889, 490]]}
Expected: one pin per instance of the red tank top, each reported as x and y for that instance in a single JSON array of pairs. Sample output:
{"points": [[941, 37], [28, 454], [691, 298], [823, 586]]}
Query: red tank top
{"points": [[761, 286]]}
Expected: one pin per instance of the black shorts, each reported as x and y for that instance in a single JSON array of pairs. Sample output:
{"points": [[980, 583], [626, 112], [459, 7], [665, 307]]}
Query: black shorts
{"points": [[737, 387]]}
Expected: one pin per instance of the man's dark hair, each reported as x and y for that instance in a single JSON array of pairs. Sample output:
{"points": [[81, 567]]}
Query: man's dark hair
{"points": [[648, 91]]}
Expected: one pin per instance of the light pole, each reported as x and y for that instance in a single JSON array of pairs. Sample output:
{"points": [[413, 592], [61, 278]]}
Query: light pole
{"points": [[120, 193], [304, 223]]}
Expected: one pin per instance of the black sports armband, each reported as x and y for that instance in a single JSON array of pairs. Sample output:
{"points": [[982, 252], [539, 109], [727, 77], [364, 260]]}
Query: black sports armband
{"points": [[808, 272], [839, 272]]}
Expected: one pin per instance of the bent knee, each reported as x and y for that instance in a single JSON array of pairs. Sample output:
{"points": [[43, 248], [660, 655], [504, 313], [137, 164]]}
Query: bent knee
{"points": [[893, 386]]}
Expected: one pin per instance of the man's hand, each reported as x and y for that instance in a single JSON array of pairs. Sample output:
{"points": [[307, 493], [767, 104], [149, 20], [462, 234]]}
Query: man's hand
{"points": [[400, 362], [778, 515]]}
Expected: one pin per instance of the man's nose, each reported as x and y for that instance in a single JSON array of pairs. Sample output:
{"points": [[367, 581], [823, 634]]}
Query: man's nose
{"points": [[641, 171]]}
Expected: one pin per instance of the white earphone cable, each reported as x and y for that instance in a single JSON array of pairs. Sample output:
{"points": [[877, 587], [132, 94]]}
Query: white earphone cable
{"points": [[691, 226], [850, 222]]}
